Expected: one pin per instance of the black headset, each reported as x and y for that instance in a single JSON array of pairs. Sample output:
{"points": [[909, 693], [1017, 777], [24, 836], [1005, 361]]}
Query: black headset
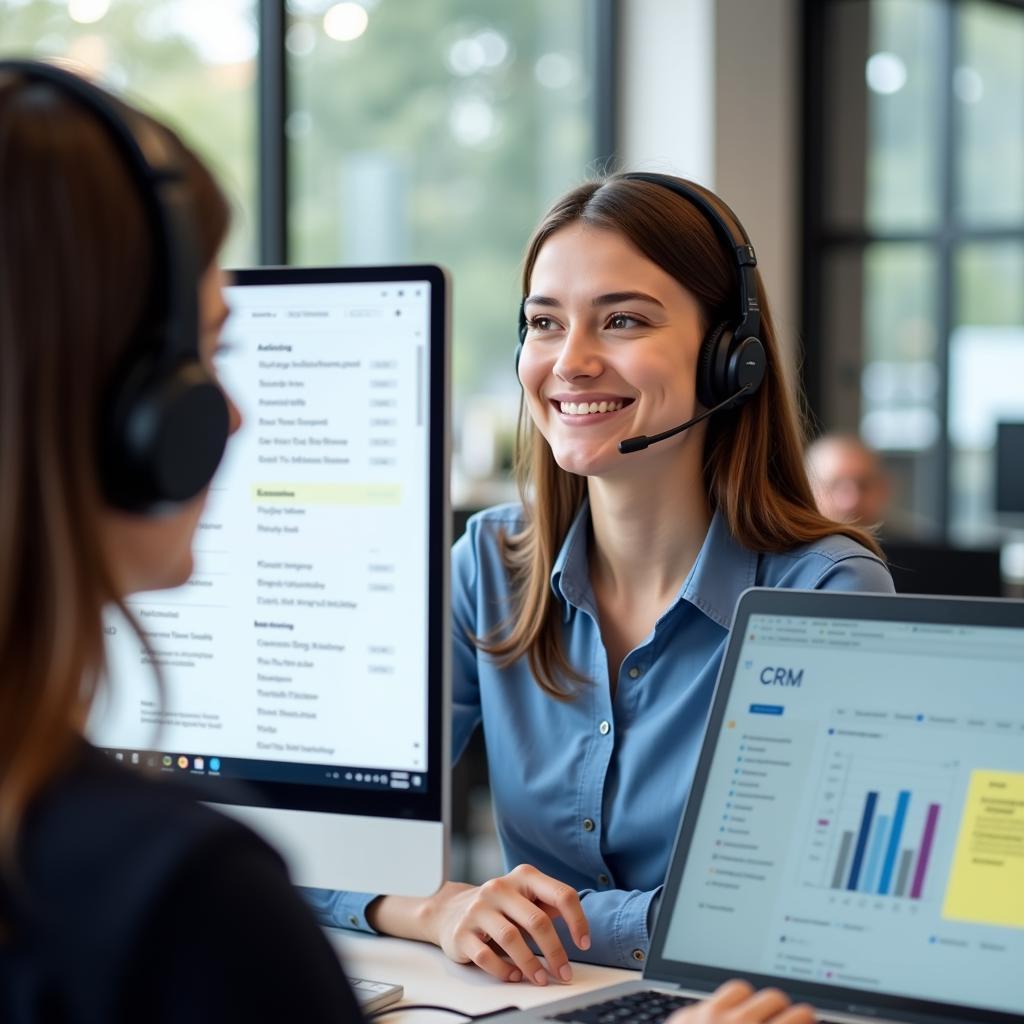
{"points": [[165, 422], [732, 361]]}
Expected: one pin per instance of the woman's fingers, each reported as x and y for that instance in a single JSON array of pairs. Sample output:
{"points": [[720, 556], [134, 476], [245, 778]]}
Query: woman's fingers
{"points": [[510, 915], [762, 1006], [543, 889], [802, 1013], [735, 1002], [477, 951], [500, 928]]}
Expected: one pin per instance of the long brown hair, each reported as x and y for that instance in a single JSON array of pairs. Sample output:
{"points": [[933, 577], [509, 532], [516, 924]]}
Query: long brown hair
{"points": [[75, 270], [753, 458]]}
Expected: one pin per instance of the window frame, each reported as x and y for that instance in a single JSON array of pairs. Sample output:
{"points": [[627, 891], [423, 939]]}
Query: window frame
{"points": [[945, 239]]}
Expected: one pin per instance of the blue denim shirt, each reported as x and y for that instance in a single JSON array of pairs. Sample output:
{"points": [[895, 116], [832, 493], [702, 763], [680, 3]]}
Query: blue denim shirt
{"points": [[591, 790]]}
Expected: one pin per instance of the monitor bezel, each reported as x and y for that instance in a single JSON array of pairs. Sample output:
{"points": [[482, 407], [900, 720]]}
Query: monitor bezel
{"points": [[430, 803], [818, 604]]}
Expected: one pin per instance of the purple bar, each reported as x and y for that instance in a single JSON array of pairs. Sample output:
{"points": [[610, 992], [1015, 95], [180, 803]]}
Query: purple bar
{"points": [[926, 850]]}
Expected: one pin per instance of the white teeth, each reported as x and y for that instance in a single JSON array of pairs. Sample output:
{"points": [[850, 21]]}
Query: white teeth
{"points": [[585, 408]]}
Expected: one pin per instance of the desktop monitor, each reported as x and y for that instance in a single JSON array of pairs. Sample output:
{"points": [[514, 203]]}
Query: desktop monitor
{"points": [[305, 662], [1010, 468], [924, 567]]}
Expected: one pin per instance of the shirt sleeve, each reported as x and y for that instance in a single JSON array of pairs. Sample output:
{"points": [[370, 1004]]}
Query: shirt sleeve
{"points": [[620, 924], [857, 573], [339, 909], [230, 941]]}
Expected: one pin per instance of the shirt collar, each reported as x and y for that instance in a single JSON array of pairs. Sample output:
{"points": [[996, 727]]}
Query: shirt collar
{"points": [[723, 570], [570, 575]]}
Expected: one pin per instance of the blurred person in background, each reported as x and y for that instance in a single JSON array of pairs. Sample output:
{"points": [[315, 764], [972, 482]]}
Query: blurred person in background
{"points": [[850, 483]]}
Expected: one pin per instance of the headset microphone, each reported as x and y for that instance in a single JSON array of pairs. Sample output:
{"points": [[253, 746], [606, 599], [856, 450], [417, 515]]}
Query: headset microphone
{"points": [[642, 441]]}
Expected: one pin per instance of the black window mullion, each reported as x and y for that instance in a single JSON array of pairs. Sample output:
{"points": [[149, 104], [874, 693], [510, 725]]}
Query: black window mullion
{"points": [[605, 40], [273, 151], [947, 246]]}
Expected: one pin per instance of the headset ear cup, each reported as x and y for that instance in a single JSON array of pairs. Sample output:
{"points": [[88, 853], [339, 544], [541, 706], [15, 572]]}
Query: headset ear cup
{"points": [[711, 361], [522, 335]]}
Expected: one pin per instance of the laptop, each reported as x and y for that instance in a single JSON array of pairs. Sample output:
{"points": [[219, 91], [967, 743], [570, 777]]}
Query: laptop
{"points": [[855, 829]]}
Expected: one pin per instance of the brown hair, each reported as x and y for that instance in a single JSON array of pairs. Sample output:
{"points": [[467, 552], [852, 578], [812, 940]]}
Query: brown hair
{"points": [[753, 458], [75, 270]]}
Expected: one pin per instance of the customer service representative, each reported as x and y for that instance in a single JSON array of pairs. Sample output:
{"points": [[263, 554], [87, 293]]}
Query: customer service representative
{"points": [[590, 618], [123, 898]]}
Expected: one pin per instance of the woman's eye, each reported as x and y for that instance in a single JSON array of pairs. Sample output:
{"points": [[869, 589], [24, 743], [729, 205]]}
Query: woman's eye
{"points": [[541, 323], [623, 321]]}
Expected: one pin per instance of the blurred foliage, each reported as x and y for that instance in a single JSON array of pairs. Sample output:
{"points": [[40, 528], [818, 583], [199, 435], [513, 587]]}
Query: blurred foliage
{"points": [[156, 65], [443, 99]]}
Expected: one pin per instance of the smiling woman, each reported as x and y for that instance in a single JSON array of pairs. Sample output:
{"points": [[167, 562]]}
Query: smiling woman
{"points": [[590, 617]]}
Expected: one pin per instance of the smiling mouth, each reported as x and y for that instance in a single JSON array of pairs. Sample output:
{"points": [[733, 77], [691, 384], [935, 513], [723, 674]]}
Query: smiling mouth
{"points": [[591, 408]]}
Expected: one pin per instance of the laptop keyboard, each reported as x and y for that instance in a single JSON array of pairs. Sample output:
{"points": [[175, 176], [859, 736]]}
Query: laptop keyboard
{"points": [[649, 1007]]}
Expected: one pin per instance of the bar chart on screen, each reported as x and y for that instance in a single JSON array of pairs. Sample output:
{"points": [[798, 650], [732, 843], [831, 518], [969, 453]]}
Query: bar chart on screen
{"points": [[876, 824]]}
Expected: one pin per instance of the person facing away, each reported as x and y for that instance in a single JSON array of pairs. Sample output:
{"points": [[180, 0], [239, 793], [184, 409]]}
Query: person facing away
{"points": [[850, 483], [590, 618], [121, 898]]}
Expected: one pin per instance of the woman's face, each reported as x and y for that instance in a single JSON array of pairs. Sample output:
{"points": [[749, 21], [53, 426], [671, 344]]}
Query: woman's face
{"points": [[607, 329], [154, 552]]}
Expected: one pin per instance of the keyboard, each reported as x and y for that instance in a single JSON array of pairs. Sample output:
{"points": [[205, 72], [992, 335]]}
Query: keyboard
{"points": [[649, 1007], [372, 995]]}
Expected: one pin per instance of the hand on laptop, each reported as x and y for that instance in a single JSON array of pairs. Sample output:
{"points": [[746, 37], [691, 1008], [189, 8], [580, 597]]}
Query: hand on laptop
{"points": [[736, 1002], [484, 924]]}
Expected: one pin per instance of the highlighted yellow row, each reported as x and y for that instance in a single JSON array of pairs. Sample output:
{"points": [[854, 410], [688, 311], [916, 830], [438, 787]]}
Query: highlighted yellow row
{"points": [[327, 494]]}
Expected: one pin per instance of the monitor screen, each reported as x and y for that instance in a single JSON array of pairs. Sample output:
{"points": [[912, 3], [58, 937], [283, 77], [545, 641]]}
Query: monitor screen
{"points": [[862, 820], [304, 656]]}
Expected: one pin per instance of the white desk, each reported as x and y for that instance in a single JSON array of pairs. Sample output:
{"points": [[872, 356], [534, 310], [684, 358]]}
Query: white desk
{"points": [[428, 976]]}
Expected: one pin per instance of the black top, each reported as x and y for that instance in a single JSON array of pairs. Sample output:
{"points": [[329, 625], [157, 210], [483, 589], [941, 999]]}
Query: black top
{"points": [[137, 903]]}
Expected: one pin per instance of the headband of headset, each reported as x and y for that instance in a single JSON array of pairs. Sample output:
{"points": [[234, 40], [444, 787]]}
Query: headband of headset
{"points": [[748, 323]]}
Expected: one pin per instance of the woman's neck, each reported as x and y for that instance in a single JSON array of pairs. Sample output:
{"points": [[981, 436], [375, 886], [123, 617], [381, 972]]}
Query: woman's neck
{"points": [[648, 532]]}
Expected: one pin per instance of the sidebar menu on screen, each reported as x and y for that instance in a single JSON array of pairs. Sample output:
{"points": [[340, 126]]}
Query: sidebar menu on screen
{"points": [[306, 613]]}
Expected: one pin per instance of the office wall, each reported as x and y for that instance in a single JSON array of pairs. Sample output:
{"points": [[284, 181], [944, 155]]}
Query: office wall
{"points": [[710, 89]]}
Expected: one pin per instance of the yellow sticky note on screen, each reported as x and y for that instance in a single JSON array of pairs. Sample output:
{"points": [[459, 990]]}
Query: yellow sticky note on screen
{"points": [[986, 884]]}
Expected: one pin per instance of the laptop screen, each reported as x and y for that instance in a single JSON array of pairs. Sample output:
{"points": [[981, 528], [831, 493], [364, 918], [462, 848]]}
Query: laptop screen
{"points": [[861, 822]]}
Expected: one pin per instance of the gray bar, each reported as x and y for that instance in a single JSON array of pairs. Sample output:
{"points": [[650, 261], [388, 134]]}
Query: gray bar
{"points": [[843, 862], [419, 385], [906, 859]]}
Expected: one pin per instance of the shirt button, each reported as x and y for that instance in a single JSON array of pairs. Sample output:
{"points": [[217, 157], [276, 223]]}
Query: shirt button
{"points": [[353, 920], [588, 825], [603, 879], [634, 672], [638, 954], [604, 728]]}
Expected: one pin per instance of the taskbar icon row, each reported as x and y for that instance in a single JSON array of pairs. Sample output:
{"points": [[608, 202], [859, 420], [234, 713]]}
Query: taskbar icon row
{"points": [[157, 761]]}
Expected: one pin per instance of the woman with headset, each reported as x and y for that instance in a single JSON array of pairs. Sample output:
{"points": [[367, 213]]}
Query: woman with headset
{"points": [[591, 617], [122, 897]]}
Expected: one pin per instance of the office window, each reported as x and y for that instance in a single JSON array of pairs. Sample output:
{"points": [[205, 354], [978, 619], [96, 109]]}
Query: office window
{"points": [[914, 263], [441, 131], [432, 131], [171, 57]]}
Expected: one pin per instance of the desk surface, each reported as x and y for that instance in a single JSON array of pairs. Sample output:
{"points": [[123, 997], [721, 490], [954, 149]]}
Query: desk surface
{"points": [[428, 976]]}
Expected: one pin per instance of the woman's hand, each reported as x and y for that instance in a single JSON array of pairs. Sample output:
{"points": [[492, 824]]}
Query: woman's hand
{"points": [[737, 1003], [485, 924]]}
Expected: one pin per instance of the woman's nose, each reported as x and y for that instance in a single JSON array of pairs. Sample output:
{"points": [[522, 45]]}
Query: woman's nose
{"points": [[579, 355]]}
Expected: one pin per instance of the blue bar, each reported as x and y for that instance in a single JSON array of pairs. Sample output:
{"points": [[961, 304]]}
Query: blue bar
{"points": [[881, 832], [766, 709], [902, 802], [862, 841]]}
